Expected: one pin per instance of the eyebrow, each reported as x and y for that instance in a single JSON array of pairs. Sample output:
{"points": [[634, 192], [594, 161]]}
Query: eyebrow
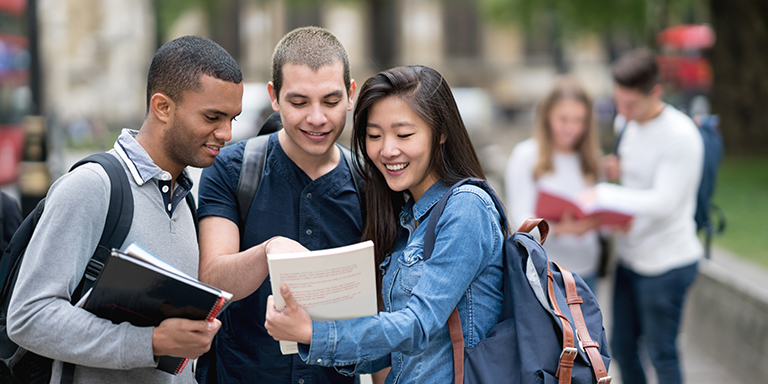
{"points": [[395, 125], [220, 113], [337, 93]]}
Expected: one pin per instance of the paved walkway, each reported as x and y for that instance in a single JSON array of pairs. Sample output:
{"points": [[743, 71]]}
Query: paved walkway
{"points": [[699, 367]]}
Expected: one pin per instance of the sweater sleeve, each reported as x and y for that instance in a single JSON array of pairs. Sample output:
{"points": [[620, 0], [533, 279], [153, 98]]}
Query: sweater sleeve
{"points": [[41, 318], [676, 175]]}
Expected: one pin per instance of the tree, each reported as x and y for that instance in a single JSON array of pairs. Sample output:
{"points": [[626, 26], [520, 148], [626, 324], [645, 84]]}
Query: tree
{"points": [[739, 62]]}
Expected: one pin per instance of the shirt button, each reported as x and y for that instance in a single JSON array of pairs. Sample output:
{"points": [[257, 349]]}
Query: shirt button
{"points": [[309, 195], [319, 360], [308, 232], [169, 207], [166, 176], [301, 381], [165, 189]]}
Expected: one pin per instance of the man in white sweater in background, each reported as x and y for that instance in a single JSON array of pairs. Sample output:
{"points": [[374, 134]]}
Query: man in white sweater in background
{"points": [[658, 166]]}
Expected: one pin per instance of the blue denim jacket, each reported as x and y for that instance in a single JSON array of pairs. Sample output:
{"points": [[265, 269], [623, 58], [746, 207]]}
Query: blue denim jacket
{"points": [[411, 334]]}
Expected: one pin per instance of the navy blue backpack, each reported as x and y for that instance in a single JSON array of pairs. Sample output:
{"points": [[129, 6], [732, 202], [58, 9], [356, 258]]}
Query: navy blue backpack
{"points": [[550, 329]]}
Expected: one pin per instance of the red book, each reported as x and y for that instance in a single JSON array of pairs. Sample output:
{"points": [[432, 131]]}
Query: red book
{"points": [[552, 207]]}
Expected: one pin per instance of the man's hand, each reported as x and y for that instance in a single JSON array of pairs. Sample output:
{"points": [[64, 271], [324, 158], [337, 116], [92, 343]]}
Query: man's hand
{"points": [[292, 323], [183, 338], [279, 244]]}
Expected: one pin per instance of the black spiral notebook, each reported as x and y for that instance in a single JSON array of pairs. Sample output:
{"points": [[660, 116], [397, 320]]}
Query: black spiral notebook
{"points": [[137, 287]]}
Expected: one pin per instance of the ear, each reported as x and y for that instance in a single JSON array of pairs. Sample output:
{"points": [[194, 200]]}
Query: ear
{"points": [[351, 95], [443, 138], [273, 97], [657, 91], [162, 106]]}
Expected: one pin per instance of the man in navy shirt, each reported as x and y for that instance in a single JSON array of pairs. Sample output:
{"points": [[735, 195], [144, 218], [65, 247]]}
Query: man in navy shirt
{"points": [[306, 193]]}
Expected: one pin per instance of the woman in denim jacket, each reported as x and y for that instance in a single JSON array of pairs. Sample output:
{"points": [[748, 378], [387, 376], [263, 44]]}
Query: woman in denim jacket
{"points": [[415, 146]]}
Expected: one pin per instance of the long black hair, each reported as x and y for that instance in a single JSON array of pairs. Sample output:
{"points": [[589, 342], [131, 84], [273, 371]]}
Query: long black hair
{"points": [[427, 93]]}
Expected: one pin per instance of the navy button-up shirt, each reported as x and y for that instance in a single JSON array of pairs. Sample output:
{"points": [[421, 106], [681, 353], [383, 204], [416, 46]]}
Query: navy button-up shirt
{"points": [[321, 213]]}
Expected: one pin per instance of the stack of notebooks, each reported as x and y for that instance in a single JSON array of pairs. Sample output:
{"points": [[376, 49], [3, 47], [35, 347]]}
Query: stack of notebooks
{"points": [[137, 287]]}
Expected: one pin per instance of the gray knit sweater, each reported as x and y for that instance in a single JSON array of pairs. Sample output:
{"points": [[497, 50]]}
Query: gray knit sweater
{"points": [[41, 318]]}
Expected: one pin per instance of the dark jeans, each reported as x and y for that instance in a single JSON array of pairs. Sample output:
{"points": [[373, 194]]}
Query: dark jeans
{"points": [[649, 307]]}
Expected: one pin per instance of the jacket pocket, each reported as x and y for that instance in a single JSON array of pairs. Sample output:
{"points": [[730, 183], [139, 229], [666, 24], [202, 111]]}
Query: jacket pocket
{"points": [[410, 264]]}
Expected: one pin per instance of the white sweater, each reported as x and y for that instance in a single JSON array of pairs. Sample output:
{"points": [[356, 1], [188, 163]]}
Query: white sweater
{"points": [[580, 254], [661, 163]]}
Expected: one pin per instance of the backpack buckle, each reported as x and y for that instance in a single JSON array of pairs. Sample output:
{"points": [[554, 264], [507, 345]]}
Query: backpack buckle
{"points": [[569, 353], [605, 380]]}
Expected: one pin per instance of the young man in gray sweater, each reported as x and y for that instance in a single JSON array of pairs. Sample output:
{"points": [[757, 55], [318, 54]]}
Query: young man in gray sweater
{"points": [[194, 91]]}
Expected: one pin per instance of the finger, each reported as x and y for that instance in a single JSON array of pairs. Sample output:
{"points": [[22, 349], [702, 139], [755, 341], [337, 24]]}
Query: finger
{"points": [[270, 307], [214, 325], [290, 303]]}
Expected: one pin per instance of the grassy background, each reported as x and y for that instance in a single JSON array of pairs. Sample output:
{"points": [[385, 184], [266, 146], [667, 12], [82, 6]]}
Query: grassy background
{"points": [[742, 193]]}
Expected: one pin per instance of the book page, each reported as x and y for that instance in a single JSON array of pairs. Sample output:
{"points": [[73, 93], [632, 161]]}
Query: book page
{"points": [[332, 284]]}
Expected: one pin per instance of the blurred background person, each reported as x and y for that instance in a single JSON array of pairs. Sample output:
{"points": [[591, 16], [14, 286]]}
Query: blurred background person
{"points": [[658, 163], [562, 157]]}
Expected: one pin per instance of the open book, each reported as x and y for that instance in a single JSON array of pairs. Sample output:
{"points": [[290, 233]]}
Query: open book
{"points": [[331, 284], [551, 206], [137, 287]]}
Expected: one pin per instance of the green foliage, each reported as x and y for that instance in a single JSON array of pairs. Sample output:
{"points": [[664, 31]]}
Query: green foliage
{"points": [[742, 193], [168, 11], [639, 18]]}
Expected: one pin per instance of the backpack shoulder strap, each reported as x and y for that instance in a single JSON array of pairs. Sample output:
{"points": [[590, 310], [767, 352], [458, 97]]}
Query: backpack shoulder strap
{"points": [[118, 221], [437, 211], [618, 138], [116, 227], [357, 177], [254, 160], [193, 209]]}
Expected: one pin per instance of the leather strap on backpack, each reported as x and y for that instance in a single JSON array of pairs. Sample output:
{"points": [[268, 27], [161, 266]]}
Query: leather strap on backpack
{"points": [[591, 347], [531, 223], [568, 355], [457, 340]]}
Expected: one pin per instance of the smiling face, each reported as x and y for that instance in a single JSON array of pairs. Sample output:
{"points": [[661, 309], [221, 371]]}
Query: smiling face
{"points": [[399, 143], [313, 106], [567, 122], [201, 123]]}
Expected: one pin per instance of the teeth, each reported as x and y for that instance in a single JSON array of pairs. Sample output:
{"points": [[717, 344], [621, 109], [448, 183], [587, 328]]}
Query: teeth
{"points": [[396, 167], [315, 133]]}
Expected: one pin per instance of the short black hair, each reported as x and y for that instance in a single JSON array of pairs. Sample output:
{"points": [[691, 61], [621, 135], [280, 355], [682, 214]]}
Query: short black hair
{"points": [[178, 65], [637, 70]]}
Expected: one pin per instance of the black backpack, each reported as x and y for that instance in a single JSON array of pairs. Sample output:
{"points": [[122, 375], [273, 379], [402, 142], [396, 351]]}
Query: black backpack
{"points": [[17, 365], [550, 325], [713, 154], [255, 159]]}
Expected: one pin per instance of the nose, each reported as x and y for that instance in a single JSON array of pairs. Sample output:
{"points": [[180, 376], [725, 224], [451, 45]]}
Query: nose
{"points": [[316, 116], [224, 132], [390, 148]]}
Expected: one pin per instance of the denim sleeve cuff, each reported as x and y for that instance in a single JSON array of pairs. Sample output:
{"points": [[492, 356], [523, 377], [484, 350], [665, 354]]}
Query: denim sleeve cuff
{"points": [[320, 350], [323, 346]]}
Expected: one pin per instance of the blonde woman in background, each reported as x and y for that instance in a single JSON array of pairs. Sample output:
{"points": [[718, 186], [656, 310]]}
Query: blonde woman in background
{"points": [[562, 158]]}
